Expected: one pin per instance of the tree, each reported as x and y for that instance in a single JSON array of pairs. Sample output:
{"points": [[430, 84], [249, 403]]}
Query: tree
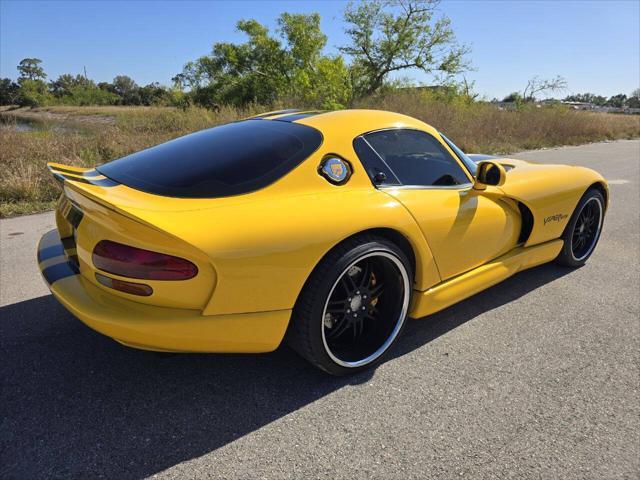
{"points": [[9, 92], [537, 85], [30, 69], [179, 81], [33, 93], [466, 89], [66, 82], [394, 35], [617, 101], [267, 68], [153, 94], [515, 97], [634, 99], [127, 89]]}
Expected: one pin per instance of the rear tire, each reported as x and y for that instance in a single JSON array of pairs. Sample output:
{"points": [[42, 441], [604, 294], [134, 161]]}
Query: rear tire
{"points": [[583, 230], [353, 307]]}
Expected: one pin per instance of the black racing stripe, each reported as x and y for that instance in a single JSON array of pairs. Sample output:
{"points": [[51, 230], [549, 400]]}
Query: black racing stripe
{"points": [[75, 179], [279, 112], [103, 182], [50, 252], [87, 173], [68, 242], [58, 177], [58, 271], [297, 116], [74, 217]]}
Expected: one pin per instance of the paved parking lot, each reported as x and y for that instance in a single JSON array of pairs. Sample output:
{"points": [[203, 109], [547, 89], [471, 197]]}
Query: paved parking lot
{"points": [[537, 377]]}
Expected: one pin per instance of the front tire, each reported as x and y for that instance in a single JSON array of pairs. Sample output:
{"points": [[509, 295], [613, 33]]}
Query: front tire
{"points": [[583, 230], [354, 306]]}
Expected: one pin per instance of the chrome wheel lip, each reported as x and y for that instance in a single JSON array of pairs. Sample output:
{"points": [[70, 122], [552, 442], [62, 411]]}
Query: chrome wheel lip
{"points": [[598, 230], [399, 321]]}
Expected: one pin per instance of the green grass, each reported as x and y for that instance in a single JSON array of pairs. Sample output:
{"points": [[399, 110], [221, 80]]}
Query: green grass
{"points": [[88, 136]]}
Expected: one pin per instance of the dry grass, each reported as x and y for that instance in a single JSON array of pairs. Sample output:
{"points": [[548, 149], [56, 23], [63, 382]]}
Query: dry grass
{"points": [[482, 128], [82, 136]]}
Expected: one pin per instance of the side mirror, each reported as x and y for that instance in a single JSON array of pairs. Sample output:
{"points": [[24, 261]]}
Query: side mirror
{"points": [[489, 174]]}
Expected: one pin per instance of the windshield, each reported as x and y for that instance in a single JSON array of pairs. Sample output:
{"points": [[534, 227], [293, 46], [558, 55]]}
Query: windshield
{"points": [[231, 159], [470, 164]]}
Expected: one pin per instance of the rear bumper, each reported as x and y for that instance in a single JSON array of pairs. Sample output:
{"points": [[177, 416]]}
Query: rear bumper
{"points": [[155, 328]]}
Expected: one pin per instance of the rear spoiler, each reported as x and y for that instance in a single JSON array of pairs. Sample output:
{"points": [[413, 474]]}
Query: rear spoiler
{"points": [[89, 176], [90, 183], [82, 185]]}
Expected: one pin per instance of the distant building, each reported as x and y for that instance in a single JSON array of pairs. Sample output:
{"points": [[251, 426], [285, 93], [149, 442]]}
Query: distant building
{"points": [[579, 105]]}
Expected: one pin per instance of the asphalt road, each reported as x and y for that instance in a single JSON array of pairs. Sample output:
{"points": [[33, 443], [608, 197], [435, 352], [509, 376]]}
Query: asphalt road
{"points": [[537, 377]]}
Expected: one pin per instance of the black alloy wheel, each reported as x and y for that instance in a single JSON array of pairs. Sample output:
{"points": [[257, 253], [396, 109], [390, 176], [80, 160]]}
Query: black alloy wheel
{"points": [[353, 306]]}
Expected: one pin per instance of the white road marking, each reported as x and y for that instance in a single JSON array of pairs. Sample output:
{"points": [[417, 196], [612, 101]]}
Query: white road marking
{"points": [[617, 182]]}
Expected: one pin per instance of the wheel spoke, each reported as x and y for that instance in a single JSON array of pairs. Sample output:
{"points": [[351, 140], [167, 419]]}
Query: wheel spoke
{"points": [[366, 275], [357, 329], [369, 316], [338, 330], [377, 290], [339, 310], [574, 240]]}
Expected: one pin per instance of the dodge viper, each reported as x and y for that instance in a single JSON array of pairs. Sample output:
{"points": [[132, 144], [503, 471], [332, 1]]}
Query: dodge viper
{"points": [[324, 230]]}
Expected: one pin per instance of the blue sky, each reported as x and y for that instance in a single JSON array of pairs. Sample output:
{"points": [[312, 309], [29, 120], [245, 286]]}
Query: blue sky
{"points": [[595, 45]]}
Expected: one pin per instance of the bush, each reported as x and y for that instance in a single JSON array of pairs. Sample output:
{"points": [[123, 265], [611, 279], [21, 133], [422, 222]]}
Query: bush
{"points": [[86, 96], [33, 93]]}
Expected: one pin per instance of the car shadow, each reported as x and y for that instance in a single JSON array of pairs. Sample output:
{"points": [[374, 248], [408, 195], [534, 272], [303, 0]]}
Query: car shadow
{"points": [[77, 404]]}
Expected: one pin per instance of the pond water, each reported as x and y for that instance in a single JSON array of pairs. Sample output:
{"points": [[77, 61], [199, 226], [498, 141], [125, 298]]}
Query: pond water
{"points": [[25, 125], [8, 122]]}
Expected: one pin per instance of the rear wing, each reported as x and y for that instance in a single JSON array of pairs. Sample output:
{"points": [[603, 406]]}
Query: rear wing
{"points": [[81, 183], [89, 183], [70, 173]]}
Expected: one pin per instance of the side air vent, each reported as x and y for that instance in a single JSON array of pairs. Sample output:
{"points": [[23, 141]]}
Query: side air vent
{"points": [[527, 222]]}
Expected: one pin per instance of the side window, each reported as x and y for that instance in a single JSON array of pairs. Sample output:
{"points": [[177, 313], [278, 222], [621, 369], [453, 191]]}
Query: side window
{"points": [[378, 171], [416, 158]]}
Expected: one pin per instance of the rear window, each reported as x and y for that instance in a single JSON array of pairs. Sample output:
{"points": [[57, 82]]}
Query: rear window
{"points": [[227, 160]]}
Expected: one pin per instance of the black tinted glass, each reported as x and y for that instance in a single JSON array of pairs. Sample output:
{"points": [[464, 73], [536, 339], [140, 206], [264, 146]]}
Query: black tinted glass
{"points": [[470, 164], [379, 172], [227, 160], [417, 158]]}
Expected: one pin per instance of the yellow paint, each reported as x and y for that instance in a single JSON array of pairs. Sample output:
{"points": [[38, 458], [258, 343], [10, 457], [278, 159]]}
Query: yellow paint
{"points": [[481, 278], [465, 227], [169, 329], [254, 252]]}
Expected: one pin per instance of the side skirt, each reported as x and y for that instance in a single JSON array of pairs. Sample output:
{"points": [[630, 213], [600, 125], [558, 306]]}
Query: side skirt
{"points": [[463, 286]]}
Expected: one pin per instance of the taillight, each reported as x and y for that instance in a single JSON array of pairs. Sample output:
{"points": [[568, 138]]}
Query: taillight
{"points": [[132, 262], [127, 287]]}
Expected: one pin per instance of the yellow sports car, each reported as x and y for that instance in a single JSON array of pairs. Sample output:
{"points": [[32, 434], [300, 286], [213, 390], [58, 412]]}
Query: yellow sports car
{"points": [[324, 229]]}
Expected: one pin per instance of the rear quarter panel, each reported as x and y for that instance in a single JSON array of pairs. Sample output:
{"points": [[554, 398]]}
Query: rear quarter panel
{"points": [[100, 223], [264, 252]]}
